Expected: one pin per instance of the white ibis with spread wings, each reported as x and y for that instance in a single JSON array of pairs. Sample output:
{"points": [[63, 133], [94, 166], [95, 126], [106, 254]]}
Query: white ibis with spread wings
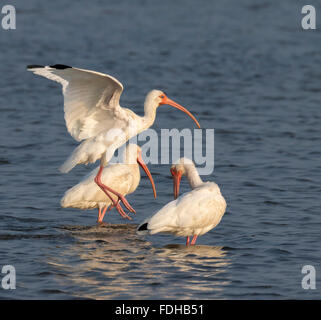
{"points": [[93, 115]]}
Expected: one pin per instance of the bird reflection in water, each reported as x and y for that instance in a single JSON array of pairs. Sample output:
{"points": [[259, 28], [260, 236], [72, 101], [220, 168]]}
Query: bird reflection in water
{"points": [[113, 262]]}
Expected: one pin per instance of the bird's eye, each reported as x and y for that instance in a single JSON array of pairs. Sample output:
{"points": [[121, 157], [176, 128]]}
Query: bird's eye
{"points": [[162, 96]]}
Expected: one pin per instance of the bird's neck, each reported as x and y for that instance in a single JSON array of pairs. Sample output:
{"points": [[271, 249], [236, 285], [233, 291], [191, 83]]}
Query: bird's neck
{"points": [[150, 114], [193, 176]]}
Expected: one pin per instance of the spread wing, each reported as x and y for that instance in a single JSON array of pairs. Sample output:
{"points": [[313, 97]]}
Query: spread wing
{"points": [[91, 99]]}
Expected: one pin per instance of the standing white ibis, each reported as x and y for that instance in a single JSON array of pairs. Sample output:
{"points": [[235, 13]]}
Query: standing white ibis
{"points": [[124, 177], [193, 213], [93, 114]]}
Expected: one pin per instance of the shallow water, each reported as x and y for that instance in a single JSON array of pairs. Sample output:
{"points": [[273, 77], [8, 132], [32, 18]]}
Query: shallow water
{"points": [[246, 69]]}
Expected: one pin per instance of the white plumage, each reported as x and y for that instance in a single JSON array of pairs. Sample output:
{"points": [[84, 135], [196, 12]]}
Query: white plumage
{"points": [[193, 213], [93, 115], [123, 177]]}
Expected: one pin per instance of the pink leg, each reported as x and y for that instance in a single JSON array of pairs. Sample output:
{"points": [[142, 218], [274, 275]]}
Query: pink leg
{"points": [[101, 215], [122, 213], [187, 241], [116, 203], [193, 240]]}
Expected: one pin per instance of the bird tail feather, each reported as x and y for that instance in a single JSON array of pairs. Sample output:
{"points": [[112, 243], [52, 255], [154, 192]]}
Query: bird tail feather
{"points": [[88, 151], [143, 228], [69, 164]]}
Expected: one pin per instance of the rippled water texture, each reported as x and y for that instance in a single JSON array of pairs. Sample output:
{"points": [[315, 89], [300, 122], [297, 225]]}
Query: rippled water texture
{"points": [[244, 68]]}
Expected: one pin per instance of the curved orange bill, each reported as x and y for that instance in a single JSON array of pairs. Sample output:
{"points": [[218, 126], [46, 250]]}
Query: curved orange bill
{"points": [[176, 180], [172, 103], [144, 167]]}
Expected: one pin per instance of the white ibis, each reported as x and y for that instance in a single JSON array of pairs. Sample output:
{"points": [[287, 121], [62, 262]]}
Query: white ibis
{"points": [[193, 213], [124, 177], [93, 114]]}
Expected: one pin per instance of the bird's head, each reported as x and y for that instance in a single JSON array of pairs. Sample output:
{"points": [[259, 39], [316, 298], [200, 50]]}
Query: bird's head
{"points": [[178, 170], [156, 98]]}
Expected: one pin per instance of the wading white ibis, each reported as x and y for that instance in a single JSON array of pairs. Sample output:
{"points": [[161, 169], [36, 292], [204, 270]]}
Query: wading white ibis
{"points": [[93, 115], [123, 177], [193, 213]]}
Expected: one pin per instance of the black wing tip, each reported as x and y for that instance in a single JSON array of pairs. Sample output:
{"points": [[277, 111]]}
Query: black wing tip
{"points": [[60, 66], [143, 227], [55, 66], [34, 66]]}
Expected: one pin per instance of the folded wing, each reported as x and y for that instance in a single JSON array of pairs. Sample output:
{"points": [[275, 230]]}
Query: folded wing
{"points": [[196, 209]]}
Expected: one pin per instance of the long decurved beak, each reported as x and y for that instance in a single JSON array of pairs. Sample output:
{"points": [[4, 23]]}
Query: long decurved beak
{"points": [[141, 162], [172, 103], [177, 176]]}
